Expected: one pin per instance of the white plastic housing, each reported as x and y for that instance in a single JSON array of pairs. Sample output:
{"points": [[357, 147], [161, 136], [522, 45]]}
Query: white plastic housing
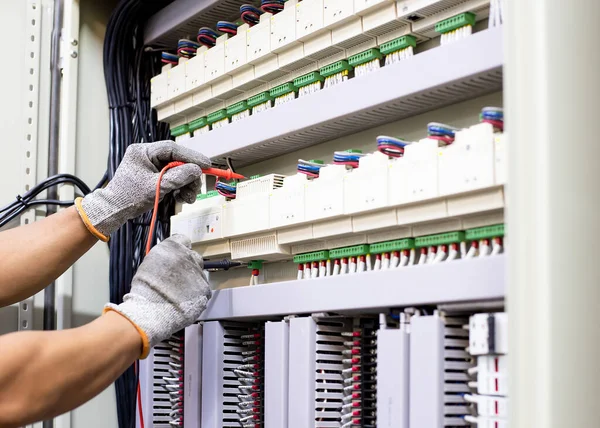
{"points": [[422, 169], [259, 39], [492, 375], [367, 5], [263, 246], [500, 158], [158, 90], [366, 187], [325, 195], [468, 163], [337, 11], [201, 221], [309, 18], [261, 186], [176, 81], [214, 60], [242, 217], [283, 27], [480, 336], [287, 203], [236, 49], [194, 70]]}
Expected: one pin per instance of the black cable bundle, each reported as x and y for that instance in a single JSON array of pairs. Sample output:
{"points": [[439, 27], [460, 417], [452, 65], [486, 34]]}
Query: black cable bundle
{"points": [[127, 72]]}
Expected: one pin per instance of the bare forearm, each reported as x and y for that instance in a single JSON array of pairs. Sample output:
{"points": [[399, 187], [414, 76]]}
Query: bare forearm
{"points": [[32, 256], [44, 374]]}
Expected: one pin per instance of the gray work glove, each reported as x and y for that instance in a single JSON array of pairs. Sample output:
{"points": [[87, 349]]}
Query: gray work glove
{"points": [[132, 190], [168, 292]]}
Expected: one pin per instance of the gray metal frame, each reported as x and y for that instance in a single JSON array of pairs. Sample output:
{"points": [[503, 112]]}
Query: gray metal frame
{"points": [[277, 338], [301, 407], [192, 369], [212, 372], [457, 281], [441, 76], [427, 372], [393, 378]]}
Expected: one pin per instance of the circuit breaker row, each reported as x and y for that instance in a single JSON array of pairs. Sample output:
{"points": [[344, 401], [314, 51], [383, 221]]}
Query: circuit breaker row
{"points": [[413, 369], [306, 40], [267, 215]]}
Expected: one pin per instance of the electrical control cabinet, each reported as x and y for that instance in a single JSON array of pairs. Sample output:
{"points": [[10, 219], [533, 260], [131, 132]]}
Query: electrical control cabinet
{"points": [[325, 196], [236, 50]]}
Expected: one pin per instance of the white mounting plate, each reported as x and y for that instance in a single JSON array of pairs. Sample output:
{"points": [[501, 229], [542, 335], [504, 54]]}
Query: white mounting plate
{"points": [[456, 281], [432, 79]]}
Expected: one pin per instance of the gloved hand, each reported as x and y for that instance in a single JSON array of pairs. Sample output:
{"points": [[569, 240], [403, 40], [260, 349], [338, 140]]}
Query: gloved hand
{"points": [[132, 190], [168, 292]]}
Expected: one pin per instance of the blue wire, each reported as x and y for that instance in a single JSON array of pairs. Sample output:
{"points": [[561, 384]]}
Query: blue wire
{"points": [[345, 158], [309, 168], [496, 115], [392, 141], [169, 56], [225, 24], [250, 8], [226, 187], [440, 130]]}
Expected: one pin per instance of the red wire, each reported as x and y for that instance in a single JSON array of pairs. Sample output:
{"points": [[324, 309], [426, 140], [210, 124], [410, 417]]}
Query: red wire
{"points": [[148, 247]]}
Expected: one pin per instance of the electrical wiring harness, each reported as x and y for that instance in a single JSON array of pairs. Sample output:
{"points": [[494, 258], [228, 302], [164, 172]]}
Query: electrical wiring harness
{"points": [[207, 37], [250, 14], [227, 27], [493, 116], [169, 58], [311, 167], [444, 134], [227, 190], [27, 200], [390, 146], [187, 48], [127, 71], [349, 158], [272, 6]]}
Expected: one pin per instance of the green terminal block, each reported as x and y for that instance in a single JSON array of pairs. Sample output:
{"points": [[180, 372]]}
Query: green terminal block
{"points": [[308, 79], [335, 68], [398, 44], [311, 257], [209, 194], [255, 264], [355, 251], [201, 122], [389, 246], [364, 57], [217, 116], [440, 239], [237, 108], [261, 98], [485, 232], [281, 90], [254, 177], [180, 130], [455, 22], [353, 151], [317, 161]]}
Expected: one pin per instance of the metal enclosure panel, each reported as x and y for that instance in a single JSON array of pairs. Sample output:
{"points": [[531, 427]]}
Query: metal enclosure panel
{"points": [[146, 375], [457, 281], [212, 369], [277, 339], [471, 68], [393, 378], [301, 402], [427, 372], [192, 376]]}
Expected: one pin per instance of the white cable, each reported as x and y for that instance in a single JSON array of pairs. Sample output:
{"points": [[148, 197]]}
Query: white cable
{"points": [[382, 321], [472, 371], [472, 251], [307, 271], [344, 268], [300, 273], [251, 280], [484, 248], [395, 260], [403, 259], [368, 262], [453, 254], [496, 247], [440, 255], [328, 267], [472, 419], [243, 373], [314, 271], [377, 265], [385, 263], [362, 265], [422, 256], [322, 270], [336, 269], [352, 265]]}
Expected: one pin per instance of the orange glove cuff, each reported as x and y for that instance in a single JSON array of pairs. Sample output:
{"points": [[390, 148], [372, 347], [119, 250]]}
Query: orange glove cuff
{"points": [[145, 342], [88, 224]]}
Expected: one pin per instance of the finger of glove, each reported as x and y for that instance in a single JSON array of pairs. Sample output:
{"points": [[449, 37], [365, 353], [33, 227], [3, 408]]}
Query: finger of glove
{"points": [[163, 152], [178, 239], [180, 177], [188, 193]]}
